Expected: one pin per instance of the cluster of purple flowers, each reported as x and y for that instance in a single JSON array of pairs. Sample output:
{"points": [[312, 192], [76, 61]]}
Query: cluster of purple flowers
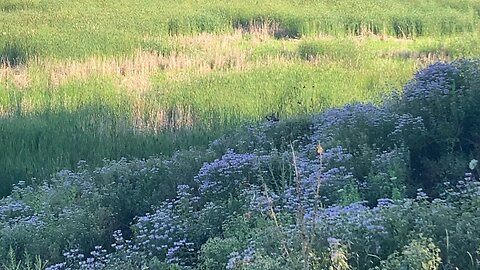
{"points": [[437, 80], [165, 232], [226, 174], [407, 128], [237, 259], [351, 121], [13, 209], [363, 146]]}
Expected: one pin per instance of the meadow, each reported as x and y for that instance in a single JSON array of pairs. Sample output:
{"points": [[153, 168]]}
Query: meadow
{"points": [[118, 116], [93, 81]]}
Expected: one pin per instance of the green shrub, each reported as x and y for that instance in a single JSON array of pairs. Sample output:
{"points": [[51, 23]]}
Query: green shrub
{"points": [[15, 53], [443, 96], [389, 176], [421, 254], [215, 252]]}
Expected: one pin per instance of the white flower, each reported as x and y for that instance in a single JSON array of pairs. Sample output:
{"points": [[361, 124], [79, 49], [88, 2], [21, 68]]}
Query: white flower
{"points": [[473, 164]]}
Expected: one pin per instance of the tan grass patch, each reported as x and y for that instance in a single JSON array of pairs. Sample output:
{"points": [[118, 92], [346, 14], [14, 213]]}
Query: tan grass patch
{"points": [[158, 119], [199, 54], [422, 58], [17, 75], [134, 72]]}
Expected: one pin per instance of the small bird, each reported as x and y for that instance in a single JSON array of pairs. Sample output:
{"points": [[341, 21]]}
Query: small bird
{"points": [[273, 117]]}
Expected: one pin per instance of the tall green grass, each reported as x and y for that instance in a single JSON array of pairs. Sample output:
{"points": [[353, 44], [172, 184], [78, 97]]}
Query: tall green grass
{"points": [[82, 28], [286, 89], [46, 130], [37, 145]]}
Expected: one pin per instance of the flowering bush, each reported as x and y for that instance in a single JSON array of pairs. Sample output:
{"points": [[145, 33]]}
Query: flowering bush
{"points": [[445, 97], [392, 186]]}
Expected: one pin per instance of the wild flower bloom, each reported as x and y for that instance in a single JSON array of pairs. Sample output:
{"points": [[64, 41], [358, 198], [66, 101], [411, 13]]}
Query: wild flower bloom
{"points": [[242, 259], [331, 125], [225, 175], [408, 127], [434, 81]]}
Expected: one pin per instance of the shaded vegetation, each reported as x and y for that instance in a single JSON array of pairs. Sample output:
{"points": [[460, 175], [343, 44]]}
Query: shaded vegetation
{"points": [[358, 187]]}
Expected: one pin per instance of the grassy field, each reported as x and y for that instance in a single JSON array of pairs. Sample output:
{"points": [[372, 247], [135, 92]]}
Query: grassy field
{"points": [[108, 79], [68, 29], [135, 134]]}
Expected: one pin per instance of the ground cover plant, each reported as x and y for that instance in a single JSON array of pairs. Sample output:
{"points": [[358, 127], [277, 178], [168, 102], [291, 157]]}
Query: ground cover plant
{"points": [[388, 186]]}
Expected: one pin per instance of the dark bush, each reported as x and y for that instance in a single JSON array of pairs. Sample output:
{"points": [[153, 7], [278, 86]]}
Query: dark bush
{"points": [[13, 54], [445, 96]]}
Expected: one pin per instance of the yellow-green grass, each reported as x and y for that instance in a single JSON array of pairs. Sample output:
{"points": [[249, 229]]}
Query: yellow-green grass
{"points": [[78, 29]]}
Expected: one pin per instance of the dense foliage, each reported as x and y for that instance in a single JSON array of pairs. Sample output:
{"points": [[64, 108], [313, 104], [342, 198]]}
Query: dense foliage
{"points": [[108, 79], [394, 186]]}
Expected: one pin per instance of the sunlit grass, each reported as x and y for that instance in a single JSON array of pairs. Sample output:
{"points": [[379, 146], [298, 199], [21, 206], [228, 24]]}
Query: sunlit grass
{"points": [[79, 29]]}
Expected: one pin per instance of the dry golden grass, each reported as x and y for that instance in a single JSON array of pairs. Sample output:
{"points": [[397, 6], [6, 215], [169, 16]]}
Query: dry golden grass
{"points": [[421, 58], [134, 72], [158, 119], [199, 54], [17, 75]]}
